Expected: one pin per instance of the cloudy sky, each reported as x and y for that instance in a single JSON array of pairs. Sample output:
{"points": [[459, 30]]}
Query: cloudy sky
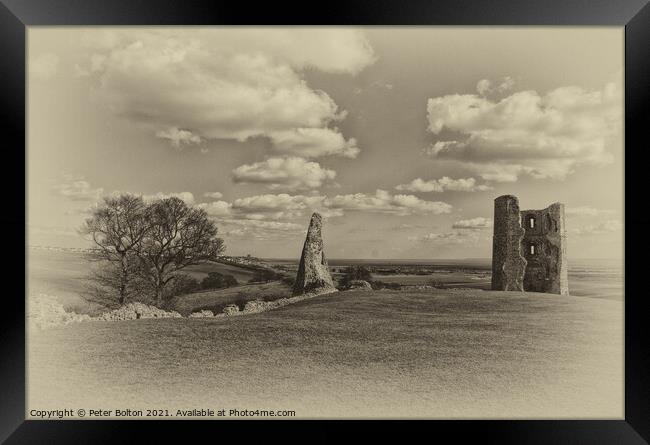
{"points": [[401, 137]]}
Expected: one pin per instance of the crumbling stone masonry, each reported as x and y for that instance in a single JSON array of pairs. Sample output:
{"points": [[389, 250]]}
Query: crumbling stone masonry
{"points": [[529, 248], [544, 247], [508, 264], [313, 275]]}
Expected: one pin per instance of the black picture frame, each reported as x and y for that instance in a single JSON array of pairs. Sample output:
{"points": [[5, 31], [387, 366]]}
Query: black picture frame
{"points": [[634, 15]]}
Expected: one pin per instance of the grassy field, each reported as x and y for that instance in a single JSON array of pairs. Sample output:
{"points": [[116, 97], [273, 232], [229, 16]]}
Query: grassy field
{"points": [[216, 300], [430, 354]]}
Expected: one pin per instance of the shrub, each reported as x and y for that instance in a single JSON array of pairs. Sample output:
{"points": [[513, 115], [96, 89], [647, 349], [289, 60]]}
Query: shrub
{"points": [[241, 300], [182, 284], [352, 273], [216, 280]]}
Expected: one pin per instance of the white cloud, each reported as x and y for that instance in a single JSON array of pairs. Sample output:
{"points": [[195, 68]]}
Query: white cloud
{"points": [[78, 189], [404, 226], [286, 207], [587, 211], [214, 195], [545, 136], [217, 208], [284, 173], [600, 228], [260, 230], [228, 83], [442, 184], [457, 237], [44, 66], [185, 196], [282, 201], [378, 85], [383, 202], [269, 225], [265, 208], [285, 216], [177, 136], [473, 224], [485, 86], [314, 142]]}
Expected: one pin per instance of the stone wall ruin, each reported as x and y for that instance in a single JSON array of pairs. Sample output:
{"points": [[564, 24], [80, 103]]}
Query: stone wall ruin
{"points": [[529, 248]]}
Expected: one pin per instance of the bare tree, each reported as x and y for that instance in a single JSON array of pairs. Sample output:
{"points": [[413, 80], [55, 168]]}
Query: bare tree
{"points": [[178, 236], [117, 227], [103, 284]]}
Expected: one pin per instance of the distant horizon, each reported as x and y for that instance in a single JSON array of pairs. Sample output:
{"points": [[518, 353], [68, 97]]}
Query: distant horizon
{"points": [[297, 258]]}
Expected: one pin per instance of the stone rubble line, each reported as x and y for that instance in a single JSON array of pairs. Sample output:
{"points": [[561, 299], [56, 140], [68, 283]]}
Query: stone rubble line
{"points": [[49, 313]]}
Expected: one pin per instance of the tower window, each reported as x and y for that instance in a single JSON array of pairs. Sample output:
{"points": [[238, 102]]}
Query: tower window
{"points": [[532, 249], [531, 222]]}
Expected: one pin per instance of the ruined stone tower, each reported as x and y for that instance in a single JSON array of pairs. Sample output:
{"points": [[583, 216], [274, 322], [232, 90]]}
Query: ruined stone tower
{"points": [[313, 275], [508, 264], [544, 247], [529, 248]]}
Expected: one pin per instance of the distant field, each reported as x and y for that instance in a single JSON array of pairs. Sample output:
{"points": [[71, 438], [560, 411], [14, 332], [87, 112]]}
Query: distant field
{"points": [[430, 354], [202, 270], [449, 279], [594, 278]]}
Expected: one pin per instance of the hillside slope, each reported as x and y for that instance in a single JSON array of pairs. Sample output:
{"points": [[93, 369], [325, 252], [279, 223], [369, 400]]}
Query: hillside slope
{"points": [[216, 300], [442, 354]]}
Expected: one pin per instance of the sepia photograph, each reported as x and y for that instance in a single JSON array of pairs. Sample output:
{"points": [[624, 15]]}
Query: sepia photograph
{"points": [[324, 222]]}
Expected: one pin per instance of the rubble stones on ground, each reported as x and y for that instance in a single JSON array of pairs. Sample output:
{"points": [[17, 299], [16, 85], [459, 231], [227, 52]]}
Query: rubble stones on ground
{"points": [[44, 311], [201, 314], [231, 309], [135, 311], [359, 285], [262, 306], [313, 274], [256, 306]]}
